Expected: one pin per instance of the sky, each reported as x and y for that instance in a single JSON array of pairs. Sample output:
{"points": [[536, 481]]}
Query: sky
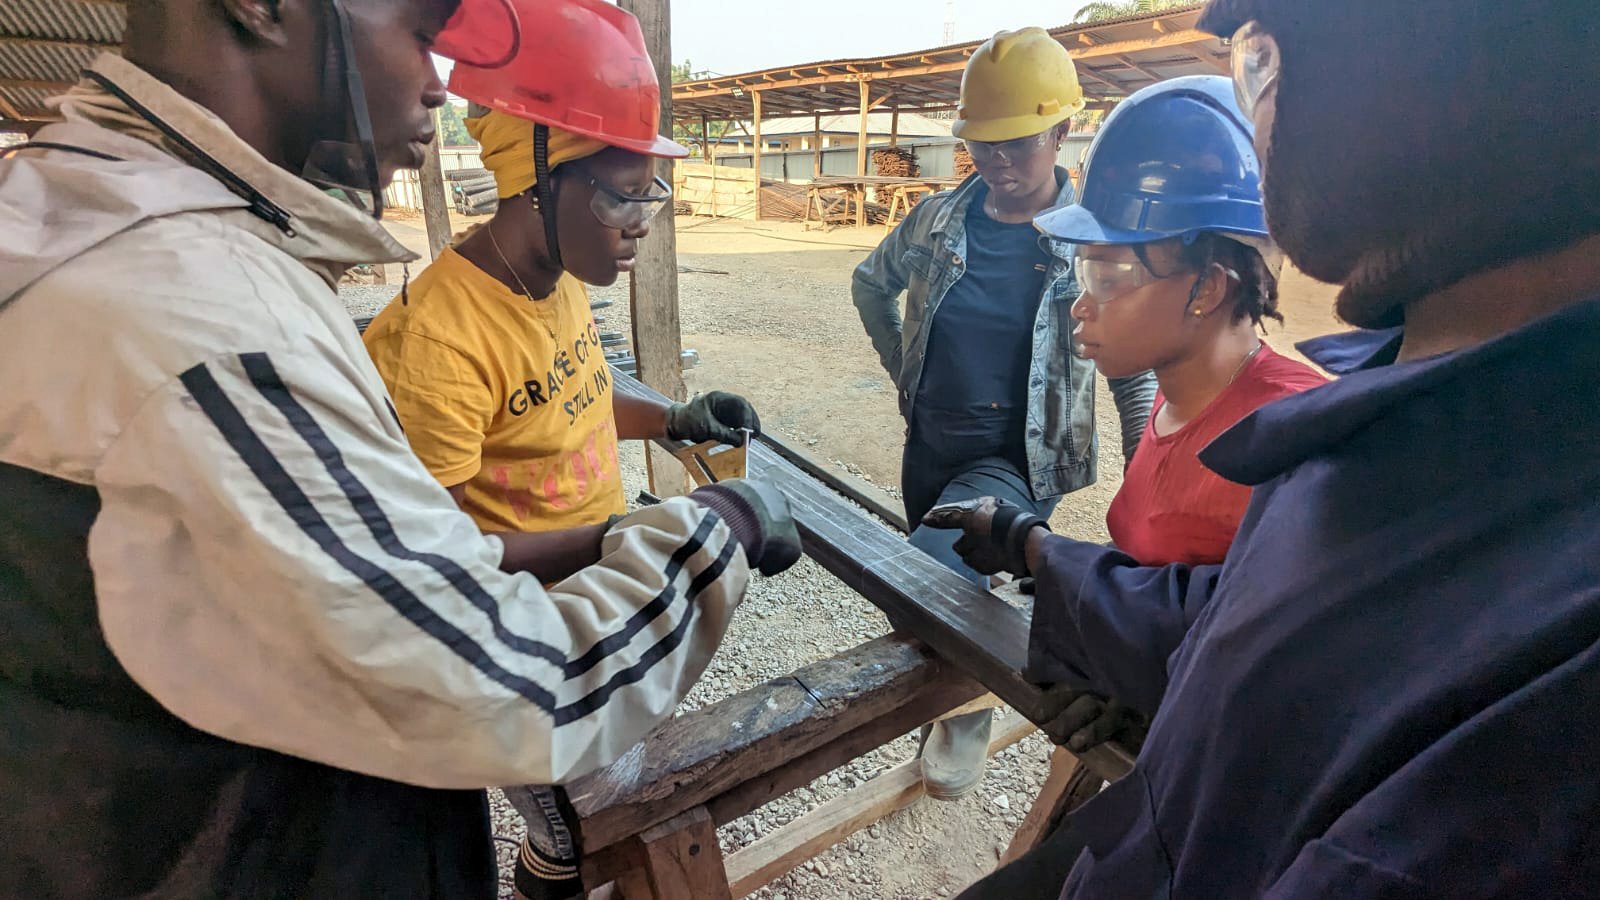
{"points": [[728, 38], [725, 38]]}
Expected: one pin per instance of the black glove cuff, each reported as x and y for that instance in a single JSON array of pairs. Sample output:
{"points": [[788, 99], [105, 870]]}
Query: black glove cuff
{"points": [[674, 413], [738, 513], [1009, 529]]}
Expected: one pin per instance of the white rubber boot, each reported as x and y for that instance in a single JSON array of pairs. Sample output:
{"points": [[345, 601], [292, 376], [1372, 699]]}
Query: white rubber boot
{"points": [[954, 752]]}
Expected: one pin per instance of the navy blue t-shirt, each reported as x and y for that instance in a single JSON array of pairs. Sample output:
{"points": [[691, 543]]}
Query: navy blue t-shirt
{"points": [[974, 386]]}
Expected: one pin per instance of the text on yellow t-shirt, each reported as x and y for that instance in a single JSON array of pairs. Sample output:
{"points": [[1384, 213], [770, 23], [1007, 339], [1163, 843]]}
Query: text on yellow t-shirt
{"points": [[507, 395]]}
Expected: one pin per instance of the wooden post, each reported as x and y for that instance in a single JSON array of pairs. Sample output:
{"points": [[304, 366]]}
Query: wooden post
{"points": [[781, 850], [705, 139], [755, 161], [816, 146], [894, 128], [1069, 785], [435, 204], [861, 137], [653, 285], [682, 861]]}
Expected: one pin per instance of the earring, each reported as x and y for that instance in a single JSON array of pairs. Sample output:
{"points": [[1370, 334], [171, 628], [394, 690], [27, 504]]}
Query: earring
{"points": [[1199, 314]]}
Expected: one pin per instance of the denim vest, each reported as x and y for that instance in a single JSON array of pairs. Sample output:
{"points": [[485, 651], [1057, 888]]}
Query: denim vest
{"points": [[923, 257]]}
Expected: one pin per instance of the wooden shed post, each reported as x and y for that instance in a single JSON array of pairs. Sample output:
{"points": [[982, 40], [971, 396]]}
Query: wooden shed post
{"points": [[816, 146], [755, 161], [705, 139], [435, 205], [861, 137], [653, 285], [894, 128]]}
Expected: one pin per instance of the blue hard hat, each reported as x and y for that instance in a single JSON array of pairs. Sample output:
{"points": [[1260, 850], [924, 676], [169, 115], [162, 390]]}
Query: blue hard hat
{"points": [[1173, 160]]}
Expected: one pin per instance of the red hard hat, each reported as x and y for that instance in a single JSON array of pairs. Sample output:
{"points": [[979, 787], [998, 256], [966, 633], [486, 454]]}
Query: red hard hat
{"points": [[582, 68], [485, 33]]}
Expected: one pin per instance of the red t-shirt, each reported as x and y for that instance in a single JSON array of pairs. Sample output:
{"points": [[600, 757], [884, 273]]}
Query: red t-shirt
{"points": [[1171, 508]]}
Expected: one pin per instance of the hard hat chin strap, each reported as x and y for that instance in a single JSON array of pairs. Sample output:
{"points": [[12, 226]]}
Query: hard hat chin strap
{"points": [[545, 192], [356, 95]]}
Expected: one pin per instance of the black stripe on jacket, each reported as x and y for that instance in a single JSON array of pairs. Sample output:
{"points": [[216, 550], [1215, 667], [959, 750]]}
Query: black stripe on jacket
{"points": [[278, 482], [659, 651], [265, 377], [663, 601], [261, 461]]}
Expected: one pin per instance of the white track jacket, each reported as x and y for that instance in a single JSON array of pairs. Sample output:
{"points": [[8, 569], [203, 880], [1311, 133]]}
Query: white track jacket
{"points": [[270, 561]]}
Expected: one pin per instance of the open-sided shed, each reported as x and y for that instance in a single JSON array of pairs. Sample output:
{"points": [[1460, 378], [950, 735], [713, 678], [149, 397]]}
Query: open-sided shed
{"points": [[1114, 58]]}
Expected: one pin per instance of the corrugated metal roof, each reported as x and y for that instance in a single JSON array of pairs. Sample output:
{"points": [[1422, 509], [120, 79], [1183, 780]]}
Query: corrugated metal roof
{"points": [[45, 43], [63, 20], [51, 63], [1114, 57]]}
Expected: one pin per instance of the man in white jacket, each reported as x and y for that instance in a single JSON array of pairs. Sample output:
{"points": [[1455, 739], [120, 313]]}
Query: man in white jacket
{"points": [[251, 647]]}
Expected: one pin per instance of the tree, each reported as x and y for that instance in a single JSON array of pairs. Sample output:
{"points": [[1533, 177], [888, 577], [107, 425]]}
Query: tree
{"points": [[452, 128], [689, 133], [1099, 12]]}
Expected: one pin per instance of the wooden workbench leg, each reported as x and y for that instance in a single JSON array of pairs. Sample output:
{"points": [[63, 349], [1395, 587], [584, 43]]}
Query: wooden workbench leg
{"points": [[682, 861], [1069, 785]]}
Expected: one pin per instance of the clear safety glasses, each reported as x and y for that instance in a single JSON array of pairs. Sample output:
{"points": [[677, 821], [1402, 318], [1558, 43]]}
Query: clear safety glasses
{"points": [[1255, 66], [1006, 152], [1105, 280], [620, 210]]}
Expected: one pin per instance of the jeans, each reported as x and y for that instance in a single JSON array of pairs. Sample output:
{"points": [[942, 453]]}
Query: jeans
{"points": [[929, 478]]}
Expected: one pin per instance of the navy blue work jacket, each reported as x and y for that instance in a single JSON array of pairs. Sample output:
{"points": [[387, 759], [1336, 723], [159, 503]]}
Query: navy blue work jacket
{"points": [[1391, 688]]}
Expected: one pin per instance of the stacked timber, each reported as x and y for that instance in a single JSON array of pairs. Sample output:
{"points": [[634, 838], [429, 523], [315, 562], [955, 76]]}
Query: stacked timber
{"points": [[701, 189], [896, 162], [781, 200], [964, 164], [473, 192]]}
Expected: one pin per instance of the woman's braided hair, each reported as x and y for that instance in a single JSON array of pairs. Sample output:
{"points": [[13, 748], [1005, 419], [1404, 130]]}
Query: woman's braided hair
{"points": [[1256, 296]]}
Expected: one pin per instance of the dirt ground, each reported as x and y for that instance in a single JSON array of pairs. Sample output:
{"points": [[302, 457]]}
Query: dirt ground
{"points": [[767, 305]]}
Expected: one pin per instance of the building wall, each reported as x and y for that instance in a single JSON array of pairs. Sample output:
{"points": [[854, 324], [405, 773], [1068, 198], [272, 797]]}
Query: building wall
{"points": [[405, 192], [935, 158]]}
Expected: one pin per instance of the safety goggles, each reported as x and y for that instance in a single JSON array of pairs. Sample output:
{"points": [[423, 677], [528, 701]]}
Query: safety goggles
{"points": [[1255, 66], [1006, 152], [1105, 280], [621, 210]]}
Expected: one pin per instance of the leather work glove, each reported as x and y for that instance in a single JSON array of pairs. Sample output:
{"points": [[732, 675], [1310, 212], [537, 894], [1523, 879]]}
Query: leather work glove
{"points": [[1090, 721], [716, 416], [996, 538], [760, 518]]}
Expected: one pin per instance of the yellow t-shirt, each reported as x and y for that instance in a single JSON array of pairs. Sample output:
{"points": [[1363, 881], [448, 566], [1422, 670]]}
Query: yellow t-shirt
{"points": [[507, 395]]}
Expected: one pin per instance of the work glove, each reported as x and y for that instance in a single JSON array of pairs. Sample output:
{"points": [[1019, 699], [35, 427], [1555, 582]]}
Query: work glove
{"points": [[717, 416], [996, 533], [760, 518], [1090, 721]]}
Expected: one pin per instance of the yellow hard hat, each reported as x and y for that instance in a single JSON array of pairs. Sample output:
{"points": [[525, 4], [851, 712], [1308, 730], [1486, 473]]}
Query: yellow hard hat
{"points": [[1018, 83]]}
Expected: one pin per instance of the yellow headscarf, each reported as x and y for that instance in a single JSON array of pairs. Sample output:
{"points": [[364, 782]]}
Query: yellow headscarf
{"points": [[507, 149]]}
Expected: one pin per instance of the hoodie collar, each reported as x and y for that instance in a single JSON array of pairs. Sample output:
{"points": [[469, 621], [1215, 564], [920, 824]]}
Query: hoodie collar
{"points": [[1353, 351], [325, 233], [1551, 353]]}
